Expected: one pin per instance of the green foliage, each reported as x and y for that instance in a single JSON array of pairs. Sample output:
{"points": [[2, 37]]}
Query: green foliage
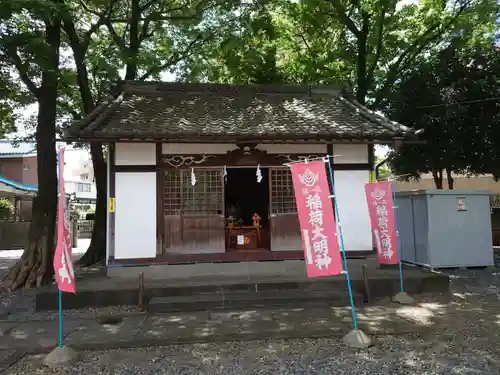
{"points": [[6, 208], [460, 138], [366, 45], [384, 171]]}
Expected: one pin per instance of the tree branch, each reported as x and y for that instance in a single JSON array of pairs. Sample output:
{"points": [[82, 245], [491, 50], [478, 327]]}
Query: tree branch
{"points": [[306, 44], [91, 11], [344, 18], [23, 71], [94, 27], [174, 59], [378, 48], [67, 107], [116, 38], [414, 49], [104, 19]]}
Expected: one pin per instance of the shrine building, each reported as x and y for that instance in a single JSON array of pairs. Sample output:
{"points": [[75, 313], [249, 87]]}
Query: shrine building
{"points": [[198, 173]]}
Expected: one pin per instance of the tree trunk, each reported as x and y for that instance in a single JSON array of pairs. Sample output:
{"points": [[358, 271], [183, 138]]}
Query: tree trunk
{"points": [[96, 251], [438, 178], [97, 248], [449, 177], [35, 266], [361, 66], [134, 42]]}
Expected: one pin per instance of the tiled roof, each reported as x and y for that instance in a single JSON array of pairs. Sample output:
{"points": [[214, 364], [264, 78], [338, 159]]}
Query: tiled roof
{"points": [[183, 112], [18, 185], [13, 148]]}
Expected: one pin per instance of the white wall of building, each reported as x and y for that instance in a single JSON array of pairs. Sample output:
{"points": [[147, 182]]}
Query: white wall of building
{"points": [[353, 209], [135, 154], [80, 189], [350, 153], [135, 224], [197, 148], [345, 153], [135, 215], [222, 148]]}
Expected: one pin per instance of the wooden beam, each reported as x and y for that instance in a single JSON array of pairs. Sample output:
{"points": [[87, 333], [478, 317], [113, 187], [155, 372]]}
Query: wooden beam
{"points": [[134, 168]]}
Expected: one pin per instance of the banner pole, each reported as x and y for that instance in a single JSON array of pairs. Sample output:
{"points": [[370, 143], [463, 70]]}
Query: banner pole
{"points": [[59, 290], [60, 320], [342, 247], [63, 269], [401, 283]]}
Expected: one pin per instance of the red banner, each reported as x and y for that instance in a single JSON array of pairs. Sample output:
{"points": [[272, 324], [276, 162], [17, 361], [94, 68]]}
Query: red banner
{"points": [[383, 221], [317, 223], [63, 258]]}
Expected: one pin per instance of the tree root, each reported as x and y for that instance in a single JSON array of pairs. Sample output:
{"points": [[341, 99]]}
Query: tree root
{"points": [[34, 268], [96, 253]]}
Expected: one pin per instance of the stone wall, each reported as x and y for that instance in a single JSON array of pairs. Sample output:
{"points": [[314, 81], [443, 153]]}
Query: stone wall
{"points": [[14, 235]]}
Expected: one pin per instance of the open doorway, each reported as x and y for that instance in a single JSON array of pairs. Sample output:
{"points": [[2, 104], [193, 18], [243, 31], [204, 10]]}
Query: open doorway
{"points": [[247, 209]]}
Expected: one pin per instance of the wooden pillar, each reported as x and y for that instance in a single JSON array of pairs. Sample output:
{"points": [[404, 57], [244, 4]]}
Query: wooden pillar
{"points": [[112, 174], [160, 216]]}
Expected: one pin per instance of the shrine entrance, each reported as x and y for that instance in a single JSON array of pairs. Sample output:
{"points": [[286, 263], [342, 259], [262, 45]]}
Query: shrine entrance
{"points": [[247, 208]]}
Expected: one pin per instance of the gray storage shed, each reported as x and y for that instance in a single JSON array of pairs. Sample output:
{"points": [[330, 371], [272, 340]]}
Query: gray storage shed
{"points": [[445, 228]]}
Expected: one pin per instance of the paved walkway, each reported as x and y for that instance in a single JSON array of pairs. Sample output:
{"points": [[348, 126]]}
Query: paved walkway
{"points": [[140, 330]]}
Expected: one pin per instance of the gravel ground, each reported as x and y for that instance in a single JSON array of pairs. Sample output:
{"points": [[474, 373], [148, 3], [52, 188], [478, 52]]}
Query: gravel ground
{"points": [[463, 340], [20, 305]]}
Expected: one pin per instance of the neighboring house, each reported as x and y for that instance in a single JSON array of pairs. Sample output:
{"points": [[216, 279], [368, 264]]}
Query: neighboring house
{"points": [[18, 175], [79, 182], [161, 134], [81, 191], [83, 170]]}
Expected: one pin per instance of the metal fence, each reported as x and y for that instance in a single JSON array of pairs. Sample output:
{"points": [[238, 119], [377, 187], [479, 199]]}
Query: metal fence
{"points": [[85, 228]]}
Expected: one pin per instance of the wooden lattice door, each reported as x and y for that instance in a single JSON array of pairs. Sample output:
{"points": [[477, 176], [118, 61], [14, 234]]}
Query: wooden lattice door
{"points": [[198, 218], [284, 221]]}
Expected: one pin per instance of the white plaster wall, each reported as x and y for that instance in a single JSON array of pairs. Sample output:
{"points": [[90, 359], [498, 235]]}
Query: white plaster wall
{"points": [[135, 215], [353, 209], [222, 148], [350, 153], [135, 154], [312, 148], [197, 148], [346, 153]]}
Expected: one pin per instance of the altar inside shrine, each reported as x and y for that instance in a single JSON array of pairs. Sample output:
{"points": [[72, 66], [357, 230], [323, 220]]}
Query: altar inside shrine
{"points": [[247, 209], [246, 237]]}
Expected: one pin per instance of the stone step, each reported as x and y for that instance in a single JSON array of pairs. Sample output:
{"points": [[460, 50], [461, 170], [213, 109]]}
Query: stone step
{"points": [[251, 286], [246, 300]]}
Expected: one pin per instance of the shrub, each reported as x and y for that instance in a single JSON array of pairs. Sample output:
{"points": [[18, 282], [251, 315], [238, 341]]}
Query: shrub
{"points": [[6, 208]]}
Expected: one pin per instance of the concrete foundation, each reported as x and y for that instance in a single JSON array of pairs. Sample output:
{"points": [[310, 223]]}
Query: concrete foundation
{"points": [[289, 268], [61, 356], [219, 280]]}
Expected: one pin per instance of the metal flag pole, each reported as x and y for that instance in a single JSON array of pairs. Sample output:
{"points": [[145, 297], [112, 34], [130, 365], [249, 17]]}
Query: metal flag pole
{"points": [[356, 338], [59, 290], [307, 160], [402, 297], [401, 284], [342, 246], [62, 355]]}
